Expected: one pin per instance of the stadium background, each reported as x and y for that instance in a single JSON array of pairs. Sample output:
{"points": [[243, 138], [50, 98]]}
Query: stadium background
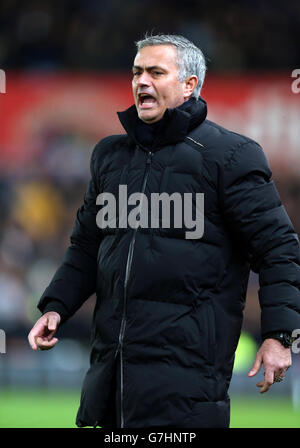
{"points": [[67, 67]]}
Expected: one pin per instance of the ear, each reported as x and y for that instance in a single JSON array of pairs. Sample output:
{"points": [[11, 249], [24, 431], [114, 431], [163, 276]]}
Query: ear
{"points": [[189, 86]]}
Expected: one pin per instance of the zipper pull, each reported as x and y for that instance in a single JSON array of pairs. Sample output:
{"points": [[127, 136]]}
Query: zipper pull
{"points": [[149, 158]]}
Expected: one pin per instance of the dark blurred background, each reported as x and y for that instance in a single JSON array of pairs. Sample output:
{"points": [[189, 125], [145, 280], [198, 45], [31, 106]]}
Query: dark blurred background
{"points": [[99, 34], [67, 67]]}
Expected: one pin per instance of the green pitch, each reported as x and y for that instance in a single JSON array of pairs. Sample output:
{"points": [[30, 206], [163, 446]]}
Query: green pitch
{"points": [[57, 409]]}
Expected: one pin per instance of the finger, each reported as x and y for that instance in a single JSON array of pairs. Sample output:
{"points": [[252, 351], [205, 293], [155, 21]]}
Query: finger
{"points": [[256, 366], [52, 323], [268, 381], [279, 373], [50, 336], [269, 376], [36, 331], [44, 344], [265, 387], [45, 341], [31, 341]]}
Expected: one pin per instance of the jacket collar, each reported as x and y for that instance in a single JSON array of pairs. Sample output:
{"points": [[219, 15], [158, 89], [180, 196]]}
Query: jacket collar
{"points": [[175, 124]]}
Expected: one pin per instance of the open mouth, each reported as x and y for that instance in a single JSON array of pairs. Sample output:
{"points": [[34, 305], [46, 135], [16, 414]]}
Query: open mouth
{"points": [[146, 100]]}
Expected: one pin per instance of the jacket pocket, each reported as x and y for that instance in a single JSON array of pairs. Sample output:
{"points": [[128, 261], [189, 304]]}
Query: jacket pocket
{"points": [[208, 414]]}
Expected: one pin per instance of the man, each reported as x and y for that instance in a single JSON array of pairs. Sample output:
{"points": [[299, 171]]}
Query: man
{"points": [[169, 308]]}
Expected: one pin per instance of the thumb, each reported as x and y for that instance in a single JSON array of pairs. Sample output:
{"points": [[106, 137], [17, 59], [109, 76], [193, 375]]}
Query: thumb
{"points": [[256, 366]]}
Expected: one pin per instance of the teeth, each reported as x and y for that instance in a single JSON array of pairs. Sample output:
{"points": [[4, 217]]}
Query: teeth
{"points": [[146, 97]]}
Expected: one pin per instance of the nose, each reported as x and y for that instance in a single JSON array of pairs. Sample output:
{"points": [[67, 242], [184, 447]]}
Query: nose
{"points": [[143, 79]]}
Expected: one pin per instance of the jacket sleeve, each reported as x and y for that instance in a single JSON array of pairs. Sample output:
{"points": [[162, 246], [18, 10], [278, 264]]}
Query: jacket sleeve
{"points": [[75, 280], [255, 214]]}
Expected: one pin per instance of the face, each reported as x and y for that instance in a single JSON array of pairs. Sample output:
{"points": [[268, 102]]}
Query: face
{"points": [[155, 82]]}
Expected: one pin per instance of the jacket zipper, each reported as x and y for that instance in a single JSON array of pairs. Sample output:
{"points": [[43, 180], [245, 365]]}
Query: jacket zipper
{"points": [[127, 275]]}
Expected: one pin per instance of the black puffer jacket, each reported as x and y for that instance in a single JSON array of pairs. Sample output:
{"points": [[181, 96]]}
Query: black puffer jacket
{"points": [[169, 309]]}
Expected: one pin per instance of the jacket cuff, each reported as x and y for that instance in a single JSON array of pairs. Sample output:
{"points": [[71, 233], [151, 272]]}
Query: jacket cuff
{"points": [[274, 333], [58, 307]]}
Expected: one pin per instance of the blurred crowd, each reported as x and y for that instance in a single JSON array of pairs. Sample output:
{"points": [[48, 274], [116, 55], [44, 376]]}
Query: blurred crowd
{"points": [[100, 34], [38, 209]]}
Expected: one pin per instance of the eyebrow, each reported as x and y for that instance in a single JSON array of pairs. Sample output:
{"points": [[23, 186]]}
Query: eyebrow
{"points": [[152, 67]]}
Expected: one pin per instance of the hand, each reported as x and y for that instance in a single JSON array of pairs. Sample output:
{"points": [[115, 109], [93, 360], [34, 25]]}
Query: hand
{"points": [[276, 359], [41, 335]]}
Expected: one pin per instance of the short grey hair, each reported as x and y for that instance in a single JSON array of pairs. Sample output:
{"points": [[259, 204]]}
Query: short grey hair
{"points": [[190, 59]]}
